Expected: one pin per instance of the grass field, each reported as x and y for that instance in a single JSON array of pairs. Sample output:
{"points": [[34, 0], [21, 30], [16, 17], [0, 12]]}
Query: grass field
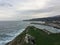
{"points": [[41, 37]]}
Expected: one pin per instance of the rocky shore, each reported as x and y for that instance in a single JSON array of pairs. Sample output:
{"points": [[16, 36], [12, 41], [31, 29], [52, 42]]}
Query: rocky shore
{"points": [[49, 24], [35, 36]]}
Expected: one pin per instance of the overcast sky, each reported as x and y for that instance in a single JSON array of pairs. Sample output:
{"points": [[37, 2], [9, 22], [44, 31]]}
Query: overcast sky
{"points": [[27, 9]]}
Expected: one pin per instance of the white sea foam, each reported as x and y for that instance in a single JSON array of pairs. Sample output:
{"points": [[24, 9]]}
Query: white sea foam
{"points": [[11, 38]]}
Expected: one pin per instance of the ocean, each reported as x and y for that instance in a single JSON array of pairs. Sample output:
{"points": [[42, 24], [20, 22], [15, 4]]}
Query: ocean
{"points": [[10, 29]]}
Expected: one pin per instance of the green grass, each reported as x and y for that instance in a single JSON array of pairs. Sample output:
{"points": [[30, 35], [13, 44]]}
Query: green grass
{"points": [[41, 37]]}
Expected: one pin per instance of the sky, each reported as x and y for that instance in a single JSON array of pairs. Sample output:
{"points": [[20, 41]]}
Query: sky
{"points": [[28, 9]]}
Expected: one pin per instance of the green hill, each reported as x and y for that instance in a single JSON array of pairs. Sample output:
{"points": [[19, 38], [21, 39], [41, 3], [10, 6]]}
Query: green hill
{"points": [[41, 37]]}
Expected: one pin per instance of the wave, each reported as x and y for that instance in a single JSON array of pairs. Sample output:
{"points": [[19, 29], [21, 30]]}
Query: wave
{"points": [[10, 37]]}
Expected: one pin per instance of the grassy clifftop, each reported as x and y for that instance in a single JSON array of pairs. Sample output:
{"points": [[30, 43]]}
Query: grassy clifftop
{"points": [[41, 37]]}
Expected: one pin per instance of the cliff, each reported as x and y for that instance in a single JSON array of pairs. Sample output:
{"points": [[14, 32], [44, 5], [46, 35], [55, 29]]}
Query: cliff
{"points": [[40, 37]]}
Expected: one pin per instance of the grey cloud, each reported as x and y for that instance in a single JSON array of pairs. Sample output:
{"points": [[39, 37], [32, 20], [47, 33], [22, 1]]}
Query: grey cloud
{"points": [[56, 7], [30, 12], [5, 3], [53, 7]]}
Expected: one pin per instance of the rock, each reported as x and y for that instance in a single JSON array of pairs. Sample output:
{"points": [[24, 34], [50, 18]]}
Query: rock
{"points": [[29, 39]]}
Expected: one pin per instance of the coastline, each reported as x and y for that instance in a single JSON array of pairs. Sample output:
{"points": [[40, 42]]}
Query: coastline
{"points": [[52, 25], [12, 41], [15, 36], [41, 37]]}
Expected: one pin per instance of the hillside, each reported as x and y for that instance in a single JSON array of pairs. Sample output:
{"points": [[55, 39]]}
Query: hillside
{"points": [[54, 18], [41, 37]]}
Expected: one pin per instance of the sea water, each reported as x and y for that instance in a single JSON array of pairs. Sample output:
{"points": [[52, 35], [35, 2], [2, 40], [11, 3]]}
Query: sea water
{"points": [[10, 29]]}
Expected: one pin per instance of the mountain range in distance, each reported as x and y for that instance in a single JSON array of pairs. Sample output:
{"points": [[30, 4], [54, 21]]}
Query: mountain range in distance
{"points": [[54, 18]]}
